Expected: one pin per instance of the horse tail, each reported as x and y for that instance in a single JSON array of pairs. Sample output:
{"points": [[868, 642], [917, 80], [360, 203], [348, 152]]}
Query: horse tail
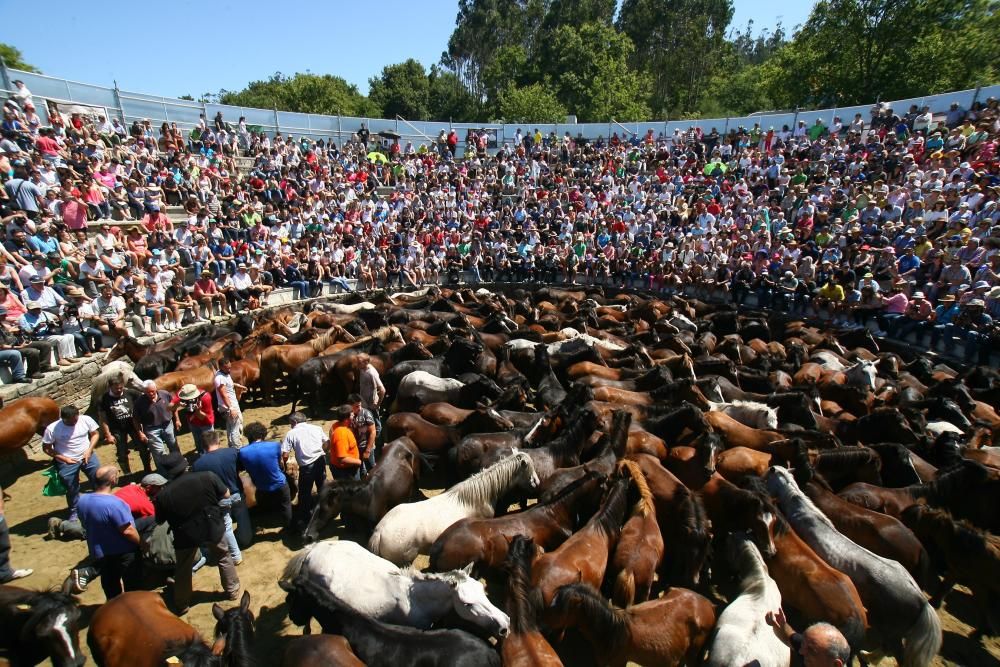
{"points": [[922, 641], [624, 593], [294, 567]]}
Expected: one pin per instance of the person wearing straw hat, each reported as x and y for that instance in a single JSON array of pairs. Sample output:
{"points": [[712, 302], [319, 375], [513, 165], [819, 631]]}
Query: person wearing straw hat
{"points": [[77, 319], [940, 323], [976, 327], [917, 311], [196, 405]]}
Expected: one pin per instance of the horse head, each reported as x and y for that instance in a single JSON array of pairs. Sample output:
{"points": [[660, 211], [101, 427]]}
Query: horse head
{"points": [[48, 622], [472, 604], [234, 631], [861, 374]]}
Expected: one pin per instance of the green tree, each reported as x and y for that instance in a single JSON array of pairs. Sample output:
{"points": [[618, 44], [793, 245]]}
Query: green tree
{"points": [[509, 67], [13, 58], [449, 99], [531, 104], [589, 70], [678, 43], [402, 89], [303, 93], [576, 13]]}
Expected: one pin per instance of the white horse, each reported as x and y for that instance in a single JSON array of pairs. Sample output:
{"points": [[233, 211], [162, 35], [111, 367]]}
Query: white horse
{"points": [[118, 368], [421, 388], [936, 428], [345, 309], [375, 587], [749, 413], [742, 634], [828, 360], [409, 529], [572, 333], [897, 609]]}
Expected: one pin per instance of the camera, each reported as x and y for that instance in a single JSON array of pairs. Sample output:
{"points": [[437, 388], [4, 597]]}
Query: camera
{"points": [[189, 406]]}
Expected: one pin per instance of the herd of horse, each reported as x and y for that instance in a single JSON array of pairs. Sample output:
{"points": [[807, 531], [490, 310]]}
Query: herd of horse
{"points": [[627, 479]]}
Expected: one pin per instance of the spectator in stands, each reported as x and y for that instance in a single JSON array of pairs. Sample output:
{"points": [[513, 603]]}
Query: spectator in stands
{"points": [[42, 329], [207, 294], [109, 311]]}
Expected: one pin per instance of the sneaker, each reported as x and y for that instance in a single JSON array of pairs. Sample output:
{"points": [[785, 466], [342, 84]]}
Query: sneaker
{"points": [[21, 574], [200, 564], [78, 581], [54, 528]]}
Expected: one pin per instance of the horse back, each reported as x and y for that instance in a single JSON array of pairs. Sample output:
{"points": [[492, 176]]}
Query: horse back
{"points": [[134, 629]]}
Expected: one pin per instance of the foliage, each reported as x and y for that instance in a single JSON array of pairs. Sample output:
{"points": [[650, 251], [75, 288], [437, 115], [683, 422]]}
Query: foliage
{"points": [[303, 93], [402, 89], [449, 99], [678, 42], [589, 70], [14, 59], [531, 104]]}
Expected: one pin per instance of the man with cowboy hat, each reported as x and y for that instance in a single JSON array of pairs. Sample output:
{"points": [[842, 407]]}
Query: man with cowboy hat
{"points": [[196, 405]]}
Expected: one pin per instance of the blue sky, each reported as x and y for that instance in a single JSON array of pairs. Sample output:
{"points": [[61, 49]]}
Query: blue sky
{"points": [[213, 45]]}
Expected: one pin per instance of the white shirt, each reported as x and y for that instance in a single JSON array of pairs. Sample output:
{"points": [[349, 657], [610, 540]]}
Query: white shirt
{"points": [[71, 441], [307, 440], [242, 280], [224, 383]]}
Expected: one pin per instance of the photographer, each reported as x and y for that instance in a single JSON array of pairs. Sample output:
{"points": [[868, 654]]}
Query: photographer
{"points": [[196, 405]]}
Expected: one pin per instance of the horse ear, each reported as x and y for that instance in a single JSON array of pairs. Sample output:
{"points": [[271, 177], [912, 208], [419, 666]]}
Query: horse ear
{"points": [[218, 611], [468, 569], [245, 602]]}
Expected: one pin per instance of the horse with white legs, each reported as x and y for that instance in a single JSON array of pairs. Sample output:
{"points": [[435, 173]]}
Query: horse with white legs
{"points": [[409, 529], [901, 621], [742, 634], [402, 596]]}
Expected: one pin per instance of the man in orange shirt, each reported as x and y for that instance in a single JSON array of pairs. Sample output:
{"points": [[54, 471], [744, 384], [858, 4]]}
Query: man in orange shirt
{"points": [[345, 459]]}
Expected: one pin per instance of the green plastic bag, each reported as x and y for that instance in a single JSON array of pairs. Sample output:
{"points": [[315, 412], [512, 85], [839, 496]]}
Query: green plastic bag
{"points": [[55, 486]]}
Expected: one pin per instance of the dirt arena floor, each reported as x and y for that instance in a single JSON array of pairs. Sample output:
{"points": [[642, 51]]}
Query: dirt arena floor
{"points": [[28, 511]]}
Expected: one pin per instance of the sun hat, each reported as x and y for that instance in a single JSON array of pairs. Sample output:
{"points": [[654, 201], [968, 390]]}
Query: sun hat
{"points": [[977, 303], [918, 295], [33, 305], [189, 392]]}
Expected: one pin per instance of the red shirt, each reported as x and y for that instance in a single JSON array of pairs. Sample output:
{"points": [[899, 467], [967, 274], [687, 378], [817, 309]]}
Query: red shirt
{"points": [[138, 502], [206, 407]]}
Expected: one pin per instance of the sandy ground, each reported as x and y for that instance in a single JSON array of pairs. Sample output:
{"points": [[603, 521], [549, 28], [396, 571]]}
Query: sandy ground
{"points": [[28, 512]]}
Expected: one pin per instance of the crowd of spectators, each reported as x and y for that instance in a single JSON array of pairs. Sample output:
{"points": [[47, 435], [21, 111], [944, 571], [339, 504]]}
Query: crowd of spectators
{"points": [[889, 221]]}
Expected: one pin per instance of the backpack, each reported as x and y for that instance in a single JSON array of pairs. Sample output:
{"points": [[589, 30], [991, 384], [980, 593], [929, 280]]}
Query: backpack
{"points": [[160, 552]]}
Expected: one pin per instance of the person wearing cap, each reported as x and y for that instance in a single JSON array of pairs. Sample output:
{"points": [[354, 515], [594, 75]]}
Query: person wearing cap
{"points": [[189, 503], [975, 326], [50, 300], [43, 330], [918, 310], [112, 537], [17, 359], [196, 405]]}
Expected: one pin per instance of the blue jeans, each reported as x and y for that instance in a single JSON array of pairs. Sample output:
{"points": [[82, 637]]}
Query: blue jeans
{"points": [[341, 282], [12, 360], [302, 287], [313, 474], [161, 439], [69, 473], [230, 506]]}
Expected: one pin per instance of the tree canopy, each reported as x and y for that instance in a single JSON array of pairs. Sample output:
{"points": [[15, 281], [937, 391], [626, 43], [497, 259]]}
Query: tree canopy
{"points": [[14, 59]]}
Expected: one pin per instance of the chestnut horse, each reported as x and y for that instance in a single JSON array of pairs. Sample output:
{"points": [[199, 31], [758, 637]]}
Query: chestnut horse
{"points": [[639, 552], [671, 630], [584, 556], [24, 418], [286, 358], [525, 645], [320, 651]]}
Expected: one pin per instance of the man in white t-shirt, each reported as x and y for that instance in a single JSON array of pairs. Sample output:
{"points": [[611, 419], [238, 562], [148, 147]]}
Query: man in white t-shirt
{"points": [[229, 405], [70, 441], [309, 443]]}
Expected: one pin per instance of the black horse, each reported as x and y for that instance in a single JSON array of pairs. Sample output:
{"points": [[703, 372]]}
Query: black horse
{"points": [[39, 625]]}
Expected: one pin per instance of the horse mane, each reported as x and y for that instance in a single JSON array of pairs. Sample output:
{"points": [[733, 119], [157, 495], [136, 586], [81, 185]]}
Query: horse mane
{"points": [[968, 539], [608, 518], [452, 577], [568, 441], [518, 565], [645, 506], [758, 487], [572, 487], [848, 456], [607, 621], [486, 485], [192, 653], [320, 343], [962, 477], [752, 569]]}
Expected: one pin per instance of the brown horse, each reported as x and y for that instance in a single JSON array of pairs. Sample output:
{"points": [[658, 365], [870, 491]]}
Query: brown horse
{"points": [[136, 629], [968, 556], [432, 438], [286, 358], [202, 377], [584, 556], [485, 542], [524, 646], [127, 346], [24, 418], [210, 355], [812, 589], [639, 552], [446, 414], [320, 651], [671, 630]]}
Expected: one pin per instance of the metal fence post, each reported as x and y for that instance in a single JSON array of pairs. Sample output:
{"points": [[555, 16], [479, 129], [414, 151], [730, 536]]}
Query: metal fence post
{"points": [[975, 95], [277, 125], [340, 131], [118, 99]]}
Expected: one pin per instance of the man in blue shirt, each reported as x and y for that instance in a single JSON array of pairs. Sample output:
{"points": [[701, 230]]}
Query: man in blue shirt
{"points": [[111, 535], [262, 461], [908, 263], [224, 462]]}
